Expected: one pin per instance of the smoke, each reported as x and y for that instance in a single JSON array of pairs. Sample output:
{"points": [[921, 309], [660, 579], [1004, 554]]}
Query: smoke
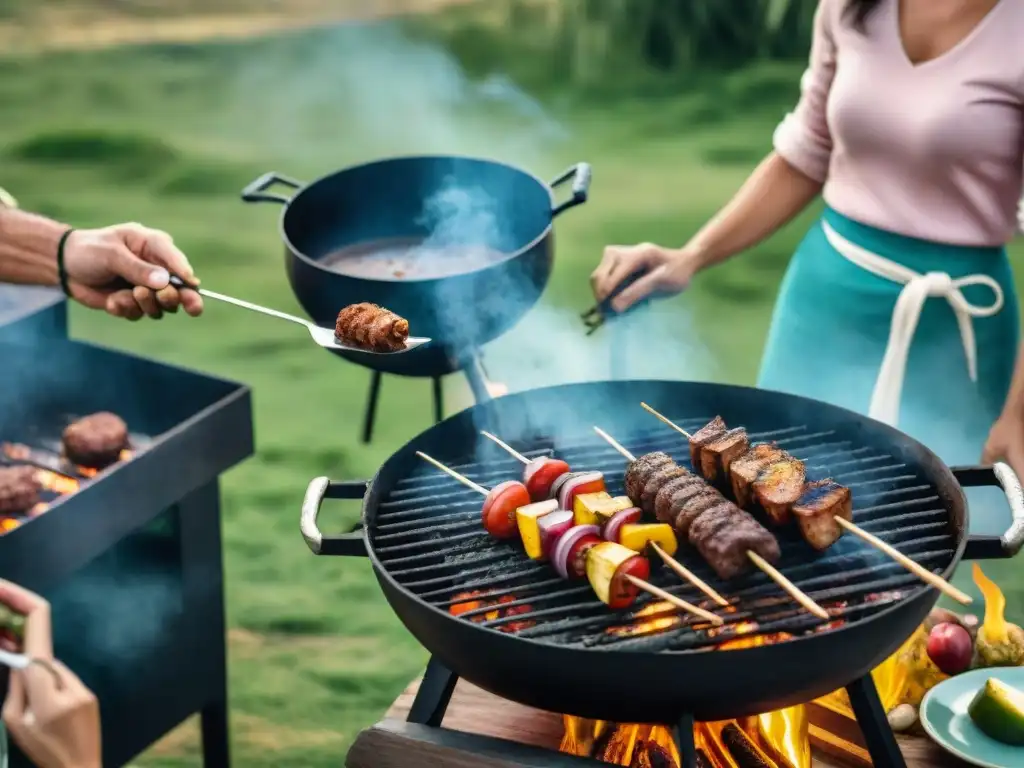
{"points": [[356, 92]]}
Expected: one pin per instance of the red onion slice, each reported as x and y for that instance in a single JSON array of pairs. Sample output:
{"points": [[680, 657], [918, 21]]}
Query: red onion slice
{"points": [[619, 519], [566, 493], [553, 526], [560, 555]]}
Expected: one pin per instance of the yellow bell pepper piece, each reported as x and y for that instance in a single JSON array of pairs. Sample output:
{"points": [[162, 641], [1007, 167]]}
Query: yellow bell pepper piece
{"points": [[529, 530], [637, 536]]}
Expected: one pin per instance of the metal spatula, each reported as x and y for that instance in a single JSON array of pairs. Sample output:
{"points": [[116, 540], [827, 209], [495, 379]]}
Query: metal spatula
{"points": [[323, 336]]}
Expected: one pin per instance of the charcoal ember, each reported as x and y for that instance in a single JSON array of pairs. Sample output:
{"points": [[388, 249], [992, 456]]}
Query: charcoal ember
{"points": [[19, 489], [649, 754], [703, 761], [95, 441]]}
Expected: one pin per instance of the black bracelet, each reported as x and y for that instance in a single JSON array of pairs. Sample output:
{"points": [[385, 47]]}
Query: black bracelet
{"points": [[62, 273]]}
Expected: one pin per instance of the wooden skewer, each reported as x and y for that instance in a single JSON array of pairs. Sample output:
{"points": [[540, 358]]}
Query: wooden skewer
{"points": [[502, 444], [794, 591], [678, 602], [615, 444], [452, 473], [915, 568], [667, 421], [687, 575], [759, 561]]}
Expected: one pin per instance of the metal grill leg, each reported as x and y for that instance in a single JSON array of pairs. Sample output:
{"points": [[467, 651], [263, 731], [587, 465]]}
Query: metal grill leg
{"points": [[684, 740], [438, 400], [371, 406], [435, 693], [213, 721], [878, 736]]}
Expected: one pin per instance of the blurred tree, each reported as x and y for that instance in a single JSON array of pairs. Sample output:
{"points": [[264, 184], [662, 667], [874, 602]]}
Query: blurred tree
{"points": [[596, 36]]}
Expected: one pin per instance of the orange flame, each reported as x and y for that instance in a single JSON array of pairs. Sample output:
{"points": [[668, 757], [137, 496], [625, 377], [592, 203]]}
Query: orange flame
{"points": [[995, 626]]}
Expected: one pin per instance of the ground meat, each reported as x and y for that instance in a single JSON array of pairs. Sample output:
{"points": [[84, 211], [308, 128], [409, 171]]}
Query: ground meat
{"points": [[19, 490], [724, 539], [691, 503], [638, 472], [96, 441], [368, 326], [663, 501], [656, 481]]}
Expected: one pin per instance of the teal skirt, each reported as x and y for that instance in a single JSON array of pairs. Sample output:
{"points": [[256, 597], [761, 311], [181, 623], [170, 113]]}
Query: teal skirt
{"points": [[831, 326]]}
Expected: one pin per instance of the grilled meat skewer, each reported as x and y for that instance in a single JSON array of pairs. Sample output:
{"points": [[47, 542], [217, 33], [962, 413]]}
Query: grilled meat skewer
{"points": [[719, 530], [774, 479]]}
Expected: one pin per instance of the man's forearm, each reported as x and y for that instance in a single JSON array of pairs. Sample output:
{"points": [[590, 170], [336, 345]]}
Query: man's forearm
{"points": [[28, 247]]}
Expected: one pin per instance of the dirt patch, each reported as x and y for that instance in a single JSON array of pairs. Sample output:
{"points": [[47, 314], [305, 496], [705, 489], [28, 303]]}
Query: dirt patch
{"points": [[88, 29]]}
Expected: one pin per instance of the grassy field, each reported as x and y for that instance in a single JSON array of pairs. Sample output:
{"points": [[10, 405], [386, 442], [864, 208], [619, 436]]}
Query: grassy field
{"points": [[169, 134]]}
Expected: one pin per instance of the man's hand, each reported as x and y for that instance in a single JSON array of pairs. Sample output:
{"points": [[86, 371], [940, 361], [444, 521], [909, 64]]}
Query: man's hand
{"points": [[125, 269]]}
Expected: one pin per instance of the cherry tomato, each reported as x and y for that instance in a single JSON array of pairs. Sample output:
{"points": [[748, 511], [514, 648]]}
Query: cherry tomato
{"points": [[577, 565], [623, 591], [499, 510], [539, 479]]}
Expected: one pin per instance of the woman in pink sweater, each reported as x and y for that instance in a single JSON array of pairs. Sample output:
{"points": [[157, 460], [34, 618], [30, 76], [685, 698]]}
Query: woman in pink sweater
{"points": [[900, 301]]}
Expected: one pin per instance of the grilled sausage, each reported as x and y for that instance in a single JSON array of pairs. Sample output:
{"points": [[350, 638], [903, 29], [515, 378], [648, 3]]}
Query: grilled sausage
{"points": [[19, 489], [695, 505], [658, 479], [638, 472], [368, 326], [663, 501], [724, 534]]}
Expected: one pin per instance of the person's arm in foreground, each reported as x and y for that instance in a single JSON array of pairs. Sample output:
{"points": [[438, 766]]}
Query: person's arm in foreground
{"points": [[123, 269], [56, 724], [781, 187]]}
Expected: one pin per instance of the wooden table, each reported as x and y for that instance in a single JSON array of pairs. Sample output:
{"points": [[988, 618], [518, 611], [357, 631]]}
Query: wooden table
{"points": [[530, 737]]}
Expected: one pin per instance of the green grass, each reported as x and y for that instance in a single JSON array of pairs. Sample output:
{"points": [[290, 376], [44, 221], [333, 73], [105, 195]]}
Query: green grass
{"points": [[167, 135]]}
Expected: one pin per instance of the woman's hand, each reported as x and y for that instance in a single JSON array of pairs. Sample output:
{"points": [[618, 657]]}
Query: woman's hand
{"points": [[663, 272], [56, 724], [1006, 441], [99, 261]]}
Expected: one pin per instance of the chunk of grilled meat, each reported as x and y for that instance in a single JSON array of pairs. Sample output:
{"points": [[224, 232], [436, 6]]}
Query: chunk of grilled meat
{"points": [[710, 431], [778, 488], [694, 505], [745, 470], [19, 489], [95, 441], [663, 501], [717, 455], [368, 326], [817, 509], [725, 533], [639, 470], [658, 479]]}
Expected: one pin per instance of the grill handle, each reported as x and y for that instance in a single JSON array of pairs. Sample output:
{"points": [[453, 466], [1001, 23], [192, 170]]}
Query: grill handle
{"points": [[581, 174], [342, 544], [1010, 543]]}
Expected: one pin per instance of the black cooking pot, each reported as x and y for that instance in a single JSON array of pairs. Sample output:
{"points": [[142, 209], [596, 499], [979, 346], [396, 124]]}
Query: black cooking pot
{"points": [[461, 247]]}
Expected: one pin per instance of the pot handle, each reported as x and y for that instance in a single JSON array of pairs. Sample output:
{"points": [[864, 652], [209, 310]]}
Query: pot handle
{"points": [[581, 176], [256, 191], [344, 544], [1010, 543]]}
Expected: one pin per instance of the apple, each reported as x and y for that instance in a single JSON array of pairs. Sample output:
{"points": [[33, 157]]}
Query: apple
{"points": [[950, 648]]}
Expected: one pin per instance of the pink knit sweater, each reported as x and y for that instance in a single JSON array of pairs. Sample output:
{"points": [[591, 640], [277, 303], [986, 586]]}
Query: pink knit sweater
{"points": [[933, 150]]}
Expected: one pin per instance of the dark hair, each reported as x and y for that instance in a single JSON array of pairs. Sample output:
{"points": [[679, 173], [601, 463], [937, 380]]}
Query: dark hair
{"points": [[860, 10]]}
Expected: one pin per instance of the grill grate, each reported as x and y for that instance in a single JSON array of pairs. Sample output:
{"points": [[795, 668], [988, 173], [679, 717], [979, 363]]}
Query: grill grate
{"points": [[428, 536]]}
